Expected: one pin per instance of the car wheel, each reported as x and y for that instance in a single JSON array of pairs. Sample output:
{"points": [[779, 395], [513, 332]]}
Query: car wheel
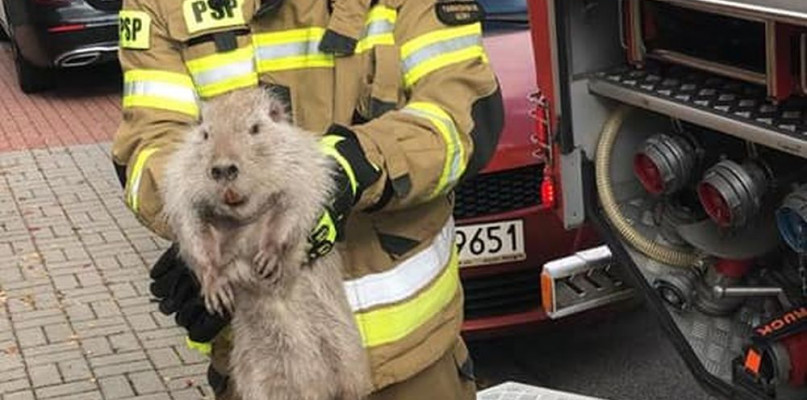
{"points": [[32, 79]]}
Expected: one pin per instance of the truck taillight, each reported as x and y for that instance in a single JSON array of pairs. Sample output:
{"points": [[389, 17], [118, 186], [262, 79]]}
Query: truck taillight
{"points": [[548, 190], [732, 193], [664, 163], [791, 218]]}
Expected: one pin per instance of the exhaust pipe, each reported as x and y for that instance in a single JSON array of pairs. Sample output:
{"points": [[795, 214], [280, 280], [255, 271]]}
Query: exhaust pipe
{"points": [[83, 57]]}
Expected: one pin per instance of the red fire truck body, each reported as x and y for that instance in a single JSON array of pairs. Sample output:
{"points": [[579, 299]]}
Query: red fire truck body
{"points": [[679, 129]]}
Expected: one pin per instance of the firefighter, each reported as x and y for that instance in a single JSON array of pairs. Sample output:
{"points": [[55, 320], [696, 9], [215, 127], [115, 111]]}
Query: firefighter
{"points": [[405, 100]]}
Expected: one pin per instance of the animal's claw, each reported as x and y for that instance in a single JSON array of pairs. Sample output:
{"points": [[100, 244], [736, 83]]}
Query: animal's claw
{"points": [[218, 296], [265, 263]]}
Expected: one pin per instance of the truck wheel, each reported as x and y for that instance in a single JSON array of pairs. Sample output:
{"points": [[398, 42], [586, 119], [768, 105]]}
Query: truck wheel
{"points": [[32, 79]]}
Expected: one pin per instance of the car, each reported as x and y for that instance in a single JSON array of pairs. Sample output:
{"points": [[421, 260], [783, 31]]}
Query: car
{"points": [[46, 35], [506, 229]]}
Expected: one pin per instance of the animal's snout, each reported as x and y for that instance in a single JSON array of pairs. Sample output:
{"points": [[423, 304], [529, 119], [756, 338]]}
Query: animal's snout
{"points": [[225, 172]]}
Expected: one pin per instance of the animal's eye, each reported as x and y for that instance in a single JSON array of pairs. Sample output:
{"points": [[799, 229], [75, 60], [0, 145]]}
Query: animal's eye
{"points": [[205, 135], [254, 129]]}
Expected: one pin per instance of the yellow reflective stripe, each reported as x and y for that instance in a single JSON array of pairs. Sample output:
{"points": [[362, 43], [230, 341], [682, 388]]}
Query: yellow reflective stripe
{"points": [[160, 89], [133, 199], [288, 36], [369, 42], [435, 50], [292, 49], [379, 12], [221, 72], [389, 324], [203, 348], [328, 144], [454, 164], [378, 28]]}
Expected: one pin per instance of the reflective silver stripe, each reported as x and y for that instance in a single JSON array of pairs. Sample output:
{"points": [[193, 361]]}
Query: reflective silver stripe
{"points": [[454, 147], [216, 75], [278, 51], [379, 27], [442, 47], [406, 279], [160, 89]]}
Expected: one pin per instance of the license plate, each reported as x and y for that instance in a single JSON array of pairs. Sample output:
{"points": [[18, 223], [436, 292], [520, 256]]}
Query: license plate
{"points": [[491, 243]]}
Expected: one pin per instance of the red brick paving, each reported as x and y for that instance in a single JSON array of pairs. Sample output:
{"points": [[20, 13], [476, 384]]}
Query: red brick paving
{"points": [[84, 108]]}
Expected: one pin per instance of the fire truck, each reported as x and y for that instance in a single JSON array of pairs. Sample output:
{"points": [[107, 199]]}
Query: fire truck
{"points": [[678, 128]]}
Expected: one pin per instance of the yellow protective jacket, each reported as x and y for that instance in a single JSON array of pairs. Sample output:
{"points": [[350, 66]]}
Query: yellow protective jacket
{"points": [[409, 77]]}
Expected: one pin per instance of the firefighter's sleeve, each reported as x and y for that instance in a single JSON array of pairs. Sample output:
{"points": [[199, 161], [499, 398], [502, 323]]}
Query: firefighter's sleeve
{"points": [[450, 125], [159, 101]]}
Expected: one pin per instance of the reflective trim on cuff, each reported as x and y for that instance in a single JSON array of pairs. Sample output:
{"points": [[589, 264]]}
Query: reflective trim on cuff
{"points": [[378, 28], [454, 164], [133, 198]]}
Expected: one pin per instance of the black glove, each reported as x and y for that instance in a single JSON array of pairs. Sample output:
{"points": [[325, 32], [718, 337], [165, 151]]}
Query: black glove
{"points": [[177, 290], [354, 173]]}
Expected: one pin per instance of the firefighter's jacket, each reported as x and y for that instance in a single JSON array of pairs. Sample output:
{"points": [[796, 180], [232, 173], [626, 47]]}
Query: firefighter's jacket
{"points": [[417, 90]]}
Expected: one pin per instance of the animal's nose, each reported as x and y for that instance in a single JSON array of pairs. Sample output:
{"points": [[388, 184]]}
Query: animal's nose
{"points": [[224, 172]]}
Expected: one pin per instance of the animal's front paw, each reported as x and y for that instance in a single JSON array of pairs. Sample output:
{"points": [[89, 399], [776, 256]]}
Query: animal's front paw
{"points": [[218, 295], [266, 264]]}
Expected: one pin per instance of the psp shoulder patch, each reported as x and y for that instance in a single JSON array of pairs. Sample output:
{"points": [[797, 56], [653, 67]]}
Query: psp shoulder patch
{"points": [[459, 12], [201, 15], [135, 29]]}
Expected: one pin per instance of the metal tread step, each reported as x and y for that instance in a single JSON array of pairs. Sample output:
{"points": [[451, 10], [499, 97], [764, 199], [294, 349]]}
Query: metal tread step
{"points": [[520, 391], [735, 108]]}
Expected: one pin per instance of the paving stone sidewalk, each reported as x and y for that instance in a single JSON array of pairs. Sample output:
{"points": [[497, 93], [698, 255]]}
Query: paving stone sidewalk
{"points": [[76, 319]]}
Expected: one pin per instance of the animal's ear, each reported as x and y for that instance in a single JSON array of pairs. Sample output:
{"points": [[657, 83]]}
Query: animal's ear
{"points": [[278, 110]]}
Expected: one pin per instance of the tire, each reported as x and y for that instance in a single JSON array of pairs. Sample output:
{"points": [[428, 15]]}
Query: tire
{"points": [[31, 79]]}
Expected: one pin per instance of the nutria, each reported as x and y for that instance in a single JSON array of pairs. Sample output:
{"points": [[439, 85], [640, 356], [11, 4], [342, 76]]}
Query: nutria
{"points": [[241, 194]]}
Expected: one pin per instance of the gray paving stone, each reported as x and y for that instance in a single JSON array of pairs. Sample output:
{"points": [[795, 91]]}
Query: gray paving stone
{"points": [[79, 298], [124, 342], [117, 358], [146, 382], [115, 387], [44, 375], [98, 346], [165, 357], [14, 385], [72, 388], [23, 395], [192, 393], [155, 396], [59, 332], [142, 322], [74, 370], [134, 366], [93, 395], [31, 337], [13, 374]]}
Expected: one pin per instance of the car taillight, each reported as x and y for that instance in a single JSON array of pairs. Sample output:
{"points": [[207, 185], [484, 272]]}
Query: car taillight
{"points": [[732, 193], [791, 218], [66, 28], [664, 163]]}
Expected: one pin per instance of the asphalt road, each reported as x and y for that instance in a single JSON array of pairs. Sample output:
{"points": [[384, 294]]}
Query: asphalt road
{"points": [[624, 357]]}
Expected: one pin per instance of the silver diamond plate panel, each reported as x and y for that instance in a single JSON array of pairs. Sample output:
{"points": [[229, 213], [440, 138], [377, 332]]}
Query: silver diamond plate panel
{"points": [[715, 340], [520, 391]]}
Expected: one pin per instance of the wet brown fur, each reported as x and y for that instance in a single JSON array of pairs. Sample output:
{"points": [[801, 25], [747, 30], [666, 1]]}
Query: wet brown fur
{"points": [[294, 336]]}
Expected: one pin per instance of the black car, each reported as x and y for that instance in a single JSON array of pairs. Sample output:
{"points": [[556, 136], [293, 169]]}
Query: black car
{"points": [[50, 34]]}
